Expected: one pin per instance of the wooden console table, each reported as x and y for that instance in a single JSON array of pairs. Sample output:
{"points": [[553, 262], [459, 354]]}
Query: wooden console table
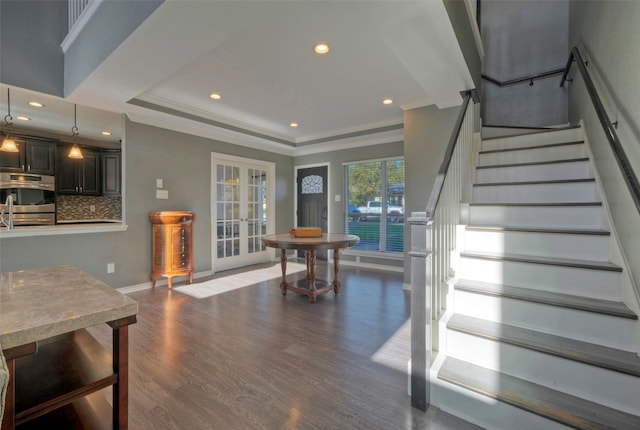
{"points": [[56, 368], [310, 286]]}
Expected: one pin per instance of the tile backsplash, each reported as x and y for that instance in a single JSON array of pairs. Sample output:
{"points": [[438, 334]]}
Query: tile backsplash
{"points": [[79, 207]]}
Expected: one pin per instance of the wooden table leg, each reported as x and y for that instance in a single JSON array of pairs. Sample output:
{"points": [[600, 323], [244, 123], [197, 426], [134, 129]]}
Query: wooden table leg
{"points": [[336, 270], [283, 266], [312, 276], [121, 368]]}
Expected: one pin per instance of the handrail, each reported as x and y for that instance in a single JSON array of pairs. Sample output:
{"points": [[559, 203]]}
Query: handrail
{"points": [[518, 80], [623, 162], [442, 173]]}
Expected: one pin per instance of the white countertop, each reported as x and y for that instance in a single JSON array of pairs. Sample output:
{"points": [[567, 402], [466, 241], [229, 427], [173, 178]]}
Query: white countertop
{"points": [[66, 228]]}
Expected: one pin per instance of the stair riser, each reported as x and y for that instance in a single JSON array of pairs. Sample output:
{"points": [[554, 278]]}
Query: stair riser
{"points": [[586, 326], [606, 387], [586, 217], [568, 280], [538, 172], [580, 246], [485, 412], [537, 193], [571, 135], [564, 152]]}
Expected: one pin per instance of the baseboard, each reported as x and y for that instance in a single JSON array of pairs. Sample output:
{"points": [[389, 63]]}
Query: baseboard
{"points": [[372, 266], [159, 283]]}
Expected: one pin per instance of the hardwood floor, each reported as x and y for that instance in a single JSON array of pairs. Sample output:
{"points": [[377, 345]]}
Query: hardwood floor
{"points": [[254, 359]]}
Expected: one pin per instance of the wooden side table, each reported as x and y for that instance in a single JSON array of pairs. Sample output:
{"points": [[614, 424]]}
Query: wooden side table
{"points": [[310, 286], [172, 245]]}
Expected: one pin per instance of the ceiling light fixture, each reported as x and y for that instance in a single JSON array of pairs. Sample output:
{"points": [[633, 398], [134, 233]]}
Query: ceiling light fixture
{"points": [[387, 101], [321, 48], [36, 104], [75, 149], [106, 133], [293, 124], [215, 96], [23, 118], [8, 144]]}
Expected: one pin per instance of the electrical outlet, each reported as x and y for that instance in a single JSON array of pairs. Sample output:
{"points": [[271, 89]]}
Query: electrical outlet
{"points": [[92, 208], [111, 267]]}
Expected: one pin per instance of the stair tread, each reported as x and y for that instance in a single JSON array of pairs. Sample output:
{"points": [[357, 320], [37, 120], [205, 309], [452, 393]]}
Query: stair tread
{"points": [[572, 349], [539, 230], [539, 204], [524, 148], [553, 261], [534, 163], [557, 406], [549, 182], [540, 130], [588, 304]]}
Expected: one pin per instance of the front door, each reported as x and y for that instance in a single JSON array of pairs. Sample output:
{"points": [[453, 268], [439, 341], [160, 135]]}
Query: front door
{"points": [[312, 195], [242, 197]]}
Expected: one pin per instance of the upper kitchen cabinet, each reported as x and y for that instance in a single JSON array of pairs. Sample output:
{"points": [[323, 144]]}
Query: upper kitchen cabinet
{"points": [[35, 156], [111, 166], [78, 176]]}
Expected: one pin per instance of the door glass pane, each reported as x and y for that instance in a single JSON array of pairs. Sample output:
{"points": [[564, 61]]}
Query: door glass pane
{"points": [[227, 208], [256, 206]]}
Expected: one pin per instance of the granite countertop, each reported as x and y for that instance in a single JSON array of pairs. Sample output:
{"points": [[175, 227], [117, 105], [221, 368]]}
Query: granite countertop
{"points": [[41, 303]]}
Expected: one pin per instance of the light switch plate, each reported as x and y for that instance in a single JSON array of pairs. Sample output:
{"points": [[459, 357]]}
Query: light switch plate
{"points": [[338, 197], [162, 194], [158, 183]]}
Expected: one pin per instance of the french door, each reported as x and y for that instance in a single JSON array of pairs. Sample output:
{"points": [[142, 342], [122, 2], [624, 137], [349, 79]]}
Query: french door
{"points": [[242, 200]]}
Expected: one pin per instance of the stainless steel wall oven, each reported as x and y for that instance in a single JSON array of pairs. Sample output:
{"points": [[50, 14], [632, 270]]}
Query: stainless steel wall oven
{"points": [[33, 197]]}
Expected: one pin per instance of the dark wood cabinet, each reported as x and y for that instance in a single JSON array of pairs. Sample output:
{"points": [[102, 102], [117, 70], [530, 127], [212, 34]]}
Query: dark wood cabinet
{"points": [[81, 176], [172, 245], [111, 167], [35, 156]]}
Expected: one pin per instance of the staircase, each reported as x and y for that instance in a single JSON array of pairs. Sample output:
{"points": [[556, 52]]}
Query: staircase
{"points": [[539, 337]]}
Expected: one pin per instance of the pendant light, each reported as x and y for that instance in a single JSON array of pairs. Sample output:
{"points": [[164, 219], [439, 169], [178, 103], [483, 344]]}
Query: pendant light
{"points": [[75, 149], [8, 144]]}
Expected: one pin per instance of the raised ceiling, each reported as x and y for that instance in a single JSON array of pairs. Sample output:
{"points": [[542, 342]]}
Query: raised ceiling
{"points": [[259, 56]]}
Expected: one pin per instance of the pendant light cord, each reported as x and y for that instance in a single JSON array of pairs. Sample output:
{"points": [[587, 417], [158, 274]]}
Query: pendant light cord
{"points": [[74, 129], [8, 118]]}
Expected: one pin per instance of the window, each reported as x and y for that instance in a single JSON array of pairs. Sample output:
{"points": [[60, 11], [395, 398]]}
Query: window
{"points": [[375, 204]]}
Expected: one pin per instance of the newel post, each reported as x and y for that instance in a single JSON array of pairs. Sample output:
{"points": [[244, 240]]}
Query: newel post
{"points": [[420, 309]]}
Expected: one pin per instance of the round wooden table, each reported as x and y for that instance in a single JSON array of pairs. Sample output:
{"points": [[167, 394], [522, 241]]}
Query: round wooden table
{"points": [[310, 286]]}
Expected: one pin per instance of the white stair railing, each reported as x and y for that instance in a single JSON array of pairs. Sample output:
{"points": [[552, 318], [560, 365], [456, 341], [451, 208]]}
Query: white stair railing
{"points": [[433, 237], [75, 10]]}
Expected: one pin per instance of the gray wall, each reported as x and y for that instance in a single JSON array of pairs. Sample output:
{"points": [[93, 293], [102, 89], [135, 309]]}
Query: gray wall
{"points": [[607, 35], [426, 134], [30, 37], [112, 23], [184, 163], [459, 17], [524, 38]]}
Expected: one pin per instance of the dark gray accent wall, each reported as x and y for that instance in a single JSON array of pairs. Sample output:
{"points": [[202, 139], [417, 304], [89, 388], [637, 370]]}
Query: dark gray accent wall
{"points": [[184, 163], [520, 39], [111, 24], [607, 35], [426, 134], [30, 36]]}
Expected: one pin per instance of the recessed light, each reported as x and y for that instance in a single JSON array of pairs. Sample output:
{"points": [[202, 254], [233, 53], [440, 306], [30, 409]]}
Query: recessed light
{"points": [[321, 48], [106, 133], [387, 101], [23, 118], [36, 104], [215, 96], [293, 124]]}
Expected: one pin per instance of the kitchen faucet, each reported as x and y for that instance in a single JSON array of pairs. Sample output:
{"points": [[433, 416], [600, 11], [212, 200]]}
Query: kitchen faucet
{"points": [[8, 204]]}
